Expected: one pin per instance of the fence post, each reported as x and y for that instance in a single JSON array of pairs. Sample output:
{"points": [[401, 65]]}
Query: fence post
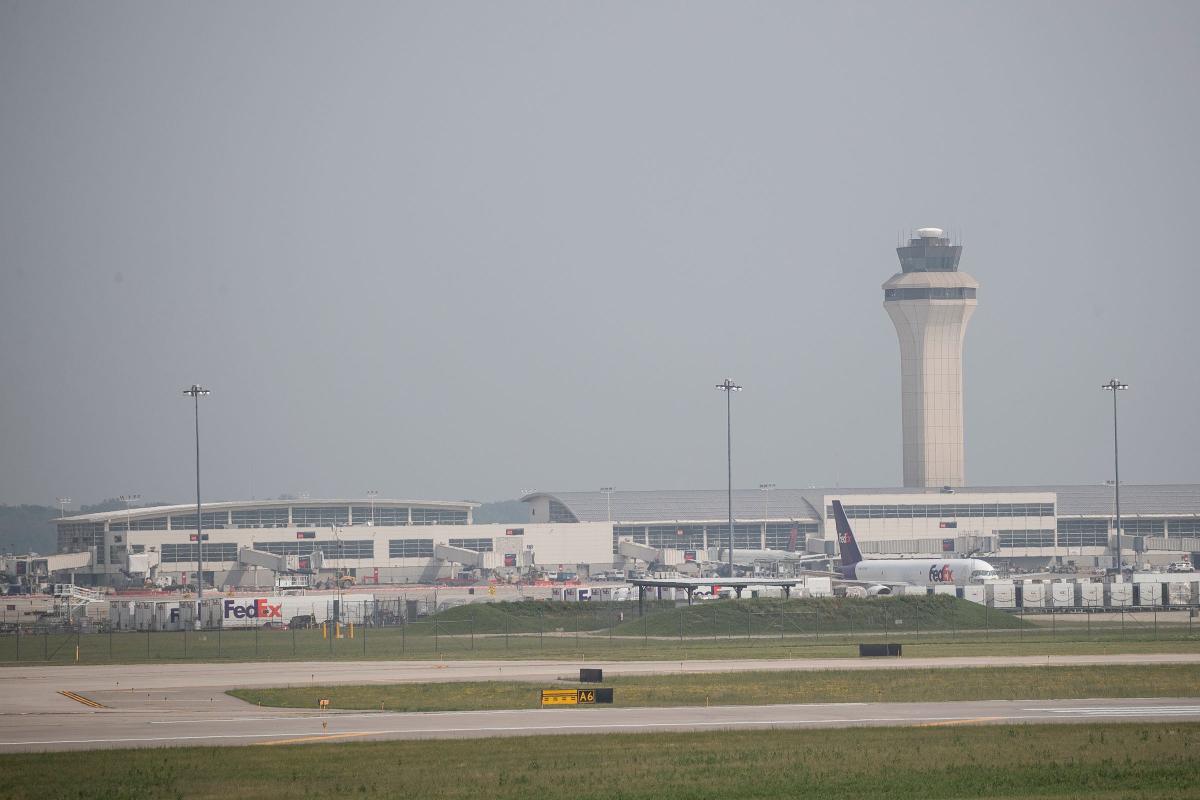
{"points": [[362, 630], [472, 631], [110, 647], [110, 633], [541, 629], [1156, 624], [748, 623], [506, 633], [256, 641], [185, 641], [436, 646], [147, 643], [403, 632], [781, 620], [290, 626]]}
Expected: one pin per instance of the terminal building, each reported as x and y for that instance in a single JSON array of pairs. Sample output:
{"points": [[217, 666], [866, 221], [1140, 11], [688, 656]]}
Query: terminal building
{"points": [[404, 542]]}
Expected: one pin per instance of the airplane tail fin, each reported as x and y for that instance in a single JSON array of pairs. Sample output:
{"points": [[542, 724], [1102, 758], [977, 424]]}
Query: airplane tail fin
{"points": [[847, 546]]}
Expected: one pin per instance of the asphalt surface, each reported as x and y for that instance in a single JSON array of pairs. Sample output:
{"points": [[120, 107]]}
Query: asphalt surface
{"points": [[179, 705]]}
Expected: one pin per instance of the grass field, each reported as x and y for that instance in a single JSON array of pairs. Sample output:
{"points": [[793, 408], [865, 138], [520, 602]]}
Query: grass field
{"points": [[814, 628], [757, 688], [1099, 762]]}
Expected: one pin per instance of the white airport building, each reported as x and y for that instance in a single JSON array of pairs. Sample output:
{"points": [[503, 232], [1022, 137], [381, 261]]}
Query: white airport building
{"points": [[403, 541]]}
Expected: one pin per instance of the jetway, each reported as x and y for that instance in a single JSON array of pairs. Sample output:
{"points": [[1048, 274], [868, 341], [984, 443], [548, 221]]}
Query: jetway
{"points": [[641, 552], [458, 555], [250, 557], [309, 562]]}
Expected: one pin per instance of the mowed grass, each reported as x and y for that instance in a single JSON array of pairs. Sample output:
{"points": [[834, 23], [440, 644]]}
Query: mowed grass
{"points": [[415, 642], [1100, 762], [766, 628], [759, 688]]}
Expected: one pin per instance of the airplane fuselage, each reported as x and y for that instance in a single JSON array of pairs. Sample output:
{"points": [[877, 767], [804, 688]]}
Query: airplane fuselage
{"points": [[920, 571]]}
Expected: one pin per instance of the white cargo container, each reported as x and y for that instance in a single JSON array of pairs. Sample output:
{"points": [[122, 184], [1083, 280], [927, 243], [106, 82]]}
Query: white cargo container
{"points": [[976, 593], [1033, 595], [1002, 594], [1089, 595], [1149, 593], [1179, 593], [942, 589], [1120, 595], [819, 587], [1062, 594]]}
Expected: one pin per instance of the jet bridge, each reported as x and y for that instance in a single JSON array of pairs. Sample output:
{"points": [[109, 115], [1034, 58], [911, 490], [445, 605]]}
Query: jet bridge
{"points": [[458, 555], [641, 552]]}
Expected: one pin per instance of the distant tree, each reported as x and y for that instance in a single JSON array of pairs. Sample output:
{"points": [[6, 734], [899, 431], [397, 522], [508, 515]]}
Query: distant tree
{"points": [[28, 529]]}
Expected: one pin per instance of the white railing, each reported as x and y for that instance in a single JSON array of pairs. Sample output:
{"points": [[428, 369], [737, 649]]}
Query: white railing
{"points": [[81, 593]]}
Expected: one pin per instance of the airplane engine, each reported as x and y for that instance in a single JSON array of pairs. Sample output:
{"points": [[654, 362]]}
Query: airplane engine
{"points": [[878, 589]]}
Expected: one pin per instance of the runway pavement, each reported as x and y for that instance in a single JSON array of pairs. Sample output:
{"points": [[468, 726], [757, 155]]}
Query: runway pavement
{"points": [[57, 708]]}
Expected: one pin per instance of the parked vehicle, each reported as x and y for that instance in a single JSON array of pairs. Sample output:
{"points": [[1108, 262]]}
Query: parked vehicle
{"points": [[1181, 566], [302, 621]]}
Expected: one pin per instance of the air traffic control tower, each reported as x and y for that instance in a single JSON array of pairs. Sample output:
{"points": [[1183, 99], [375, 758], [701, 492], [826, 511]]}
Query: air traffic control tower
{"points": [[929, 302]]}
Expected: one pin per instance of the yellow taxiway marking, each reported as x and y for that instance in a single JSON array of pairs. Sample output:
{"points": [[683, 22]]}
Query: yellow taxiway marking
{"points": [[967, 721], [78, 698], [318, 738]]}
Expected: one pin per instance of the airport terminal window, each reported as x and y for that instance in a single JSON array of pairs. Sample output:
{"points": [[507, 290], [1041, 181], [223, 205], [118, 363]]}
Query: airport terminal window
{"points": [[779, 534], [384, 515], [936, 293], [148, 523], [347, 548], [438, 516], [676, 537], [560, 513], [745, 537], [320, 516], [208, 520], [1038, 538], [1143, 527], [115, 554], [74, 537], [635, 532], [1184, 527], [410, 548], [213, 551], [259, 518], [478, 545], [946, 510], [1083, 532]]}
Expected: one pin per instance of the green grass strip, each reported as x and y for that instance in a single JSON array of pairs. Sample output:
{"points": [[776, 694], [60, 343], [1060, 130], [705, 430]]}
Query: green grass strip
{"points": [[1099, 762], [759, 688]]}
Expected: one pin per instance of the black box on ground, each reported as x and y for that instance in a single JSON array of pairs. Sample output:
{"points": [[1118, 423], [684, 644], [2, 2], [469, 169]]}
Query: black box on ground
{"points": [[591, 676], [867, 650]]}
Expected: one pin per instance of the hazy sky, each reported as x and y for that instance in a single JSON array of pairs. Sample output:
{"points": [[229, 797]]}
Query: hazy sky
{"points": [[454, 250]]}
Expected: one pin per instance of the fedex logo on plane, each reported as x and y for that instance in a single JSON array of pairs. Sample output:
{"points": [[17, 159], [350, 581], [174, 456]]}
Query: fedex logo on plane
{"points": [[252, 609], [941, 574]]}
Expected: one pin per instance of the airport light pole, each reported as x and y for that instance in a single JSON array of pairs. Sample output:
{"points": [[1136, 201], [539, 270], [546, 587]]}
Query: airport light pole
{"points": [[607, 492], [195, 391], [371, 495], [729, 387], [63, 502], [1115, 386], [129, 500], [765, 488]]}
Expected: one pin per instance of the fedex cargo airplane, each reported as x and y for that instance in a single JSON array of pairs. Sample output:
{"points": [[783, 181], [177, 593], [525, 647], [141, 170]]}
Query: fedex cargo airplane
{"points": [[880, 575]]}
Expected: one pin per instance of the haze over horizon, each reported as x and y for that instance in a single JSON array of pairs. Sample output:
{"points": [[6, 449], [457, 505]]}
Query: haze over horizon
{"points": [[451, 251]]}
